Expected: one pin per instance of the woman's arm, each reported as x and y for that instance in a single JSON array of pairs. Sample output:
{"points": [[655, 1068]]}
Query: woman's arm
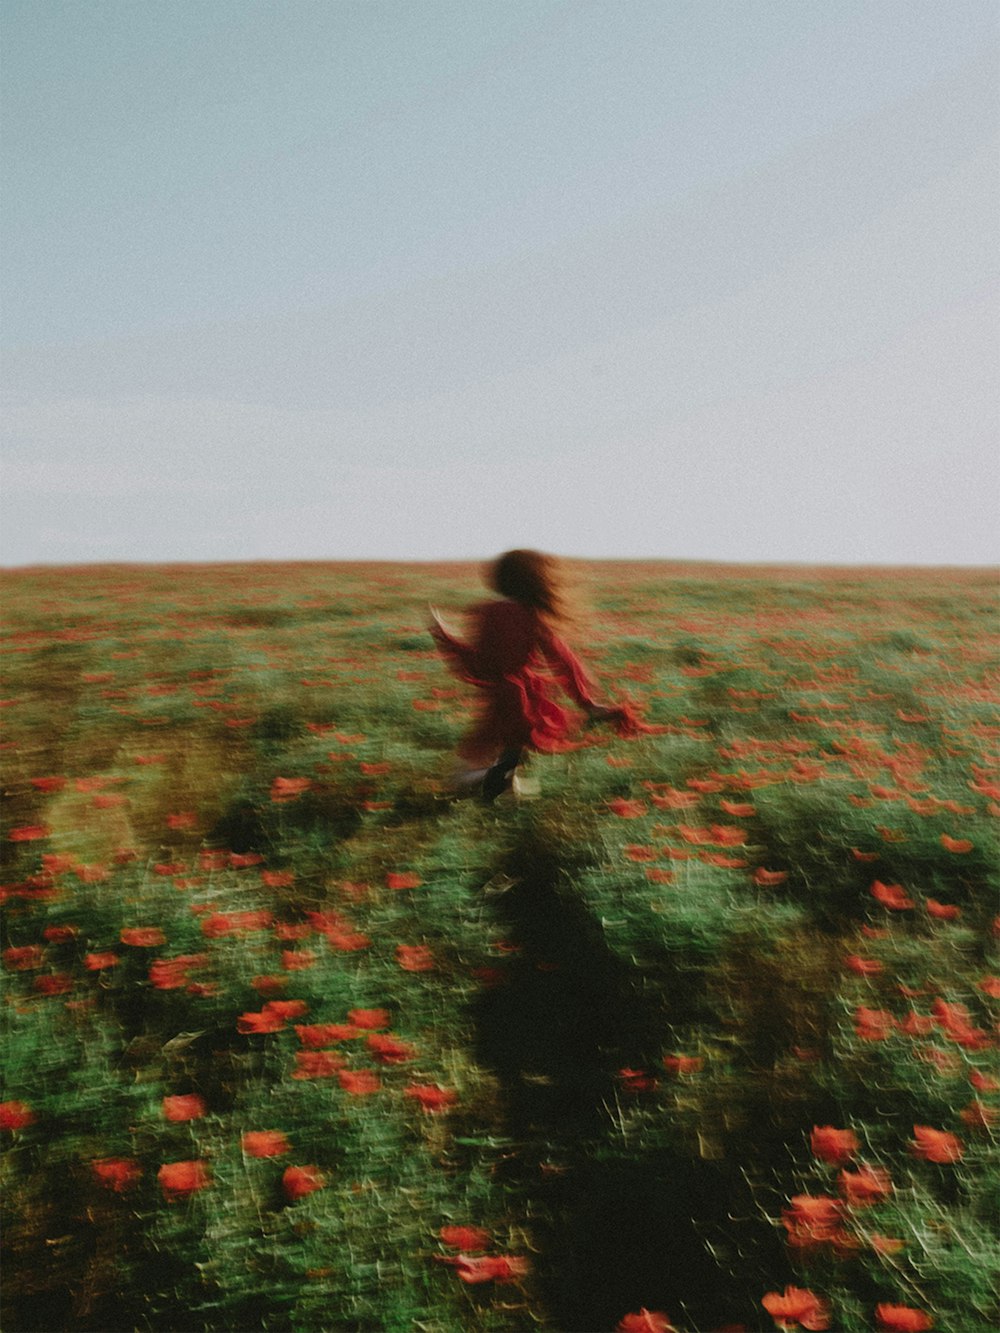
{"points": [[461, 658]]}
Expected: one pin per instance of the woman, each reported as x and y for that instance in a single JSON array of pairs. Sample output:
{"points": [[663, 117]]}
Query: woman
{"points": [[514, 656]]}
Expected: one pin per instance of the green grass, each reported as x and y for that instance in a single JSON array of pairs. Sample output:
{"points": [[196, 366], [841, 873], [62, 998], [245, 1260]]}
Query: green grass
{"points": [[637, 1015]]}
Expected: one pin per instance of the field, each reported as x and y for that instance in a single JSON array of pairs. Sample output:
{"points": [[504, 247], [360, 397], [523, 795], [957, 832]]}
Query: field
{"points": [[705, 1033]]}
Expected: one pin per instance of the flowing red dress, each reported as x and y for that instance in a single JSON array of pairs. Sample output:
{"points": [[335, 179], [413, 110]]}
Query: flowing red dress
{"points": [[514, 659]]}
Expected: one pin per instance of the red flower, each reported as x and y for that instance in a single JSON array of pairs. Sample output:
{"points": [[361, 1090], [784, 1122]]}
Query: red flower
{"points": [[97, 962], [873, 1024], [956, 845], [172, 973], [288, 789], [797, 1307], [415, 958], [178, 1179], [264, 1143], [408, 880], [297, 960], [465, 1238], [891, 896], [767, 878], [317, 1064], [626, 809], [983, 1082], [143, 937], [936, 1145], [812, 1219], [360, 1082], [432, 1098], [645, 1321], [943, 911], [287, 1008], [990, 986], [299, 1181], [219, 924], [15, 1115], [389, 1050], [24, 957], [28, 832], [57, 983], [682, 1064], [117, 1173], [902, 1319], [490, 1268], [60, 934], [369, 1018], [184, 1106], [265, 1021], [835, 1146], [868, 1185], [48, 784]]}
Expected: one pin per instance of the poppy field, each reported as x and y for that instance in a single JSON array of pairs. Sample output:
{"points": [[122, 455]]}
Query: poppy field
{"points": [[702, 1037]]}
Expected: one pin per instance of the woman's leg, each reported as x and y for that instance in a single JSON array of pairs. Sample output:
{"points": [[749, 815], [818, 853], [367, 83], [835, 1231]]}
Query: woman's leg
{"points": [[500, 776]]}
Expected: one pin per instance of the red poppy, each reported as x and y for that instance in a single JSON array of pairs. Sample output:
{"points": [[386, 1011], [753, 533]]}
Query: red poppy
{"points": [[244, 860], [317, 1064], [902, 1319], [956, 845], [182, 819], [834, 1146], [297, 1182], [869, 1184], [414, 958], [288, 789], [917, 1025], [978, 1116], [168, 868], [874, 1024], [48, 784], [490, 1268], [464, 1238], [219, 924], [812, 1219], [369, 1018], [626, 809], [56, 983], [277, 879], [432, 1098], [891, 896], [864, 967], [143, 937], [402, 880], [359, 1082], [645, 1321], [990, 986], [936, 1145], [264, 1143], [797, 1307], [297, 960], [116, 1173], [15, 1115], [314, 1036], [264, 1021], [287, 1008], [984, 1082], [389, 1050], [739, 809], [178, 1179], [636, 852], [97, 962], [767, 878], [683, 1064], [29, 832], [943, 911], [657, 876], [24, 957]]}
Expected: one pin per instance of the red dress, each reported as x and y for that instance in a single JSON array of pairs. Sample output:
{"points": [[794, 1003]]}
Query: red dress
{"points": [[507, 661]]}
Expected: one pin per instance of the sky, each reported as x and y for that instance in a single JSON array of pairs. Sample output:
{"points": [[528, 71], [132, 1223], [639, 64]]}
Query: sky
{"points": [[430, 279]]}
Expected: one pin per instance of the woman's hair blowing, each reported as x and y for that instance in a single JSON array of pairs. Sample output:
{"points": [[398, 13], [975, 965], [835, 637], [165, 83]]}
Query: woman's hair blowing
{"points": [[533, 579]]}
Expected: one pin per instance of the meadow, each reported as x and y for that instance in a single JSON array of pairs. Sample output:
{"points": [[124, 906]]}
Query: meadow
{"points": [[703, 1037]]}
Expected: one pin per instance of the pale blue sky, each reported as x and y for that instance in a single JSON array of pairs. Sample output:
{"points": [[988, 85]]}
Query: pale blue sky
{"points": [[704, 279]]}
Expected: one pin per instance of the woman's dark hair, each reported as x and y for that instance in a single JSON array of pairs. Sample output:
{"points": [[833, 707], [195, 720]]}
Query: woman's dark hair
{"points": [[533, 579]]}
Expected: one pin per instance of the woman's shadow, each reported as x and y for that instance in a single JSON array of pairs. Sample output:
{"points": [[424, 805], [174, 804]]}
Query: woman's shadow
{"points": [[620, 1222]]}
